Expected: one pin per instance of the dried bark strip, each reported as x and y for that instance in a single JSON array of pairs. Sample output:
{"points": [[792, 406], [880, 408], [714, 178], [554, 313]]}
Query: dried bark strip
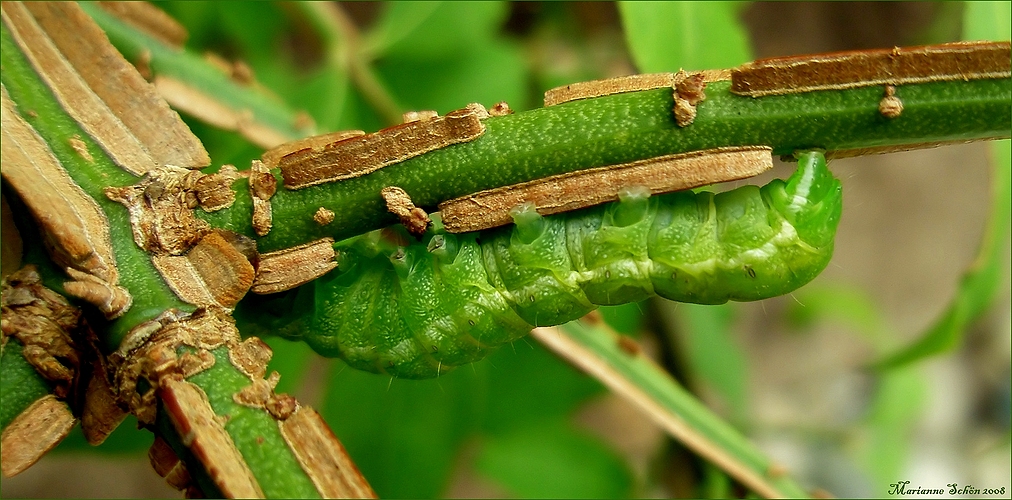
{"points": [[38, 429], [598, 88], [286, 269], [622, 84], [207, 108], [198, 426], [323, 457], [73, 93], [584, 188], [133, 100], [845, 70], [399, 203], [212, 273], [358, 156], [273, 156], [262, 186], [73, 224], [149, 19]]}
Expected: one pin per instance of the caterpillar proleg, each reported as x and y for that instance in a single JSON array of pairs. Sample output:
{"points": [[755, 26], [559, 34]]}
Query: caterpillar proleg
{"points": [[415, 309]]}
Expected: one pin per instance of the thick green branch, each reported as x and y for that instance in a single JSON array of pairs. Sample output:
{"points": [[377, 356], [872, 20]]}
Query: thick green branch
{"points": [[36, 104], [627, 127]]}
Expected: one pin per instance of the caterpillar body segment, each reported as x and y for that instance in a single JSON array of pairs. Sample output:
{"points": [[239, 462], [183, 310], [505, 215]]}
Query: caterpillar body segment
{"points": [[415, 309]]}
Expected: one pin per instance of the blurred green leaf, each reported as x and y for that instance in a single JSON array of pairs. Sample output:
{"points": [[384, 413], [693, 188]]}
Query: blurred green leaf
{"points": [[485, 74], [667, 36], [526, 383], [433, 30], [327, 96], [126, 439], [717, 362], [980, 284], [551, 459], [849, 305], [987, 21], [884, 437], [402, 434], [291, 359], [626, 319]]}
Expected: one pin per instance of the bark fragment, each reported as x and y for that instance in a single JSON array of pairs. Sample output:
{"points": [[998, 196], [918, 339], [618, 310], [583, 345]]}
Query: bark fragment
{"points": [[38, 429], [45, 324], [212, 273], [845, 70], [890, 106], [262, 186], [160, 216], [399, 203], [323, 216], [584, 188], [358, 156], [286, 269]]}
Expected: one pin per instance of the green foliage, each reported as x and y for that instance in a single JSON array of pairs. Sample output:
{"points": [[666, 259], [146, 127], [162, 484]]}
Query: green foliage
{"points": [[668, 36], [981, 283], [511, 413]]}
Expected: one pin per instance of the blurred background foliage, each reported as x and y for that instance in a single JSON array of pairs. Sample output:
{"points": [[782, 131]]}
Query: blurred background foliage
{"points": [[793, 373]]}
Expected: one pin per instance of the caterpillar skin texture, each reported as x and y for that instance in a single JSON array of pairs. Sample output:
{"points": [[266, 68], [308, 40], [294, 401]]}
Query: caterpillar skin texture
{"points": [[418, 309]]}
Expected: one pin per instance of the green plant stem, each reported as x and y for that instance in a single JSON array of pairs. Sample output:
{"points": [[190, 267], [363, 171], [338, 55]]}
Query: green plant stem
{"points": [[628, 127], [255, 433], [151, 296]]}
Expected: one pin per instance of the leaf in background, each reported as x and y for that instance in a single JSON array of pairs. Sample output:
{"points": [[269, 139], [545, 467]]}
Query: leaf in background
{"points": [[980, 284], [128, 438], [403, 434], [884, 438], [326, 96], [626, 319], [667, 36], [442, 56], [487, 74], [717, 362], [987, 21], [527, 383], [551, 459], [192, 82], [852, 306], [434, 30]]}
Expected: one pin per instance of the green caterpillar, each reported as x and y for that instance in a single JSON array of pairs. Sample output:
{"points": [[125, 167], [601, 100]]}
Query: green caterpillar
{"points": [[415, 309]]}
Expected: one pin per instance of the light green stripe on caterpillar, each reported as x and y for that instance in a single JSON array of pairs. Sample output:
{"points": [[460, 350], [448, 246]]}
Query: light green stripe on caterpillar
{"points": [[417, 309]]}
